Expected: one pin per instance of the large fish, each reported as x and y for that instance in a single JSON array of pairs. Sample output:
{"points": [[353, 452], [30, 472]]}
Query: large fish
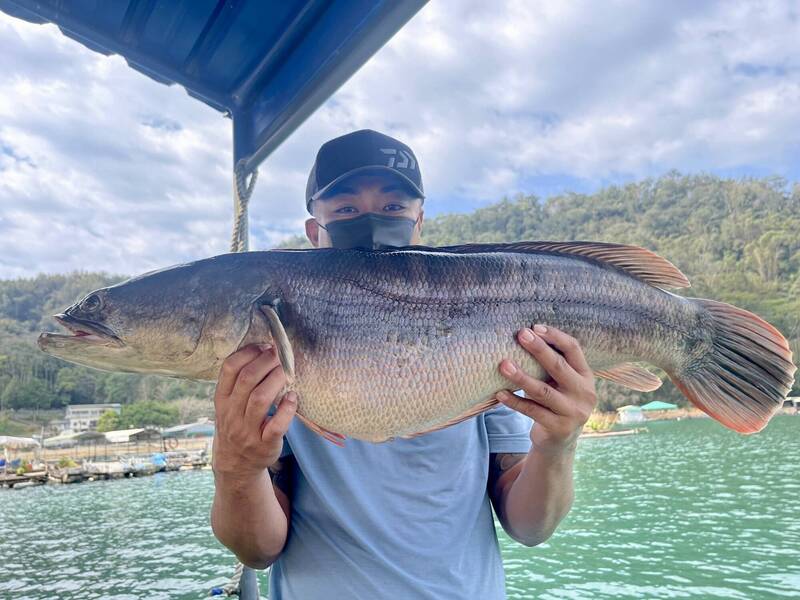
{"points": [[398, 342]]}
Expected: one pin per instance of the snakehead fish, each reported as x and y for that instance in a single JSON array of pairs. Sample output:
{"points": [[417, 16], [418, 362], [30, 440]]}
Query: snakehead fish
{"points": [[402, 341]]}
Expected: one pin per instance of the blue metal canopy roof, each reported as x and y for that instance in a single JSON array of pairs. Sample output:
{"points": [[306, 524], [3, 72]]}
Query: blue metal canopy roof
{"points": [[267, 63]]}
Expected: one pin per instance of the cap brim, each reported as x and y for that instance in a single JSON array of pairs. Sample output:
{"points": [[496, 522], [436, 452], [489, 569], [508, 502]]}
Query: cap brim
{"points": [[361, 171]]}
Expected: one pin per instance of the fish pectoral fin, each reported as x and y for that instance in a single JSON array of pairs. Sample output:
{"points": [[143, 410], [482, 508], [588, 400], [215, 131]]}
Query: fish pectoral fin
{"points": [[631, 376], [282, 343], [334, 438], [475, 410]]}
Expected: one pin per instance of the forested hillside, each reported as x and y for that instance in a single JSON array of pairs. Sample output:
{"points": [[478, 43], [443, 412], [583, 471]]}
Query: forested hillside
{"points": [[736, 240]]}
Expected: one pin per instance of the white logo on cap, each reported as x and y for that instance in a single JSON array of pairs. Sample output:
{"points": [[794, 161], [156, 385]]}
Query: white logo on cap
{"points": [[406, 160]]}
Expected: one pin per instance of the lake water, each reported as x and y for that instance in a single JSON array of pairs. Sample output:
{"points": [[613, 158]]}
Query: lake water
{"points": [[688, 510]]}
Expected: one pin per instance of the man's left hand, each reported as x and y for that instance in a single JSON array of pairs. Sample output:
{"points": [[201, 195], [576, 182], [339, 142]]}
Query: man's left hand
{"points": [[559, 405]]}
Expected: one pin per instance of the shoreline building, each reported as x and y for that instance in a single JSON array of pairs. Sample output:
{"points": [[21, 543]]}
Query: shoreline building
{"points": [[629, 414], [201, 428], [84, 417]]}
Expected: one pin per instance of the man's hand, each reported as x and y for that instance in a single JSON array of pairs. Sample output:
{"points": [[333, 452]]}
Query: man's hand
{"points": [[560, 405], [247, 442], [533, 495], [247, 515]]}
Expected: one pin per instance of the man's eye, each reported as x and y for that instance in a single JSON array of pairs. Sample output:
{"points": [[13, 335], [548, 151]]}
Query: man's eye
{"points": [[394, 207], [343, 210]]}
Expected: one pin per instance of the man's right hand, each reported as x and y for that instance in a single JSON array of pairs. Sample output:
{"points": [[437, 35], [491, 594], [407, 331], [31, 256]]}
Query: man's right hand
{"points": [[247, 515], [246, 441]]}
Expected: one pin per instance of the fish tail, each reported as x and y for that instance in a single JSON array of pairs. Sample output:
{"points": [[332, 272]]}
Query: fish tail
{"points": [[745, 376]]}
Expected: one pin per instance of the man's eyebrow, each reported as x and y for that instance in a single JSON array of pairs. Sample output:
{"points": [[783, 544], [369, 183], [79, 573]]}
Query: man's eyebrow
{"points": [[335, 191], [398, 186]]}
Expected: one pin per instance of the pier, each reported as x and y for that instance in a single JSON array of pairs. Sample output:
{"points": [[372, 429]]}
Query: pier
{"points": [[100, 461]]}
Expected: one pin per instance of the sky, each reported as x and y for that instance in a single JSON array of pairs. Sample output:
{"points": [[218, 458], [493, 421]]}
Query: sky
{"points": [[103, 169]]}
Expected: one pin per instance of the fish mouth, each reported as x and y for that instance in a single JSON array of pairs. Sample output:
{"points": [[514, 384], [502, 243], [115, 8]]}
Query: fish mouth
{"points": [[86, 332]]}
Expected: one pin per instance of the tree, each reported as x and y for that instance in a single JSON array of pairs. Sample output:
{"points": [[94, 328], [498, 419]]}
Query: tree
{"points": [[119, 387], [108, 421], [147, 414], [31, 394], [75, 385]]}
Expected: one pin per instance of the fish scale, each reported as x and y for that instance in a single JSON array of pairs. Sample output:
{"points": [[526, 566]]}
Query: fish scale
{"points": [[397, 342], [384, 360]]}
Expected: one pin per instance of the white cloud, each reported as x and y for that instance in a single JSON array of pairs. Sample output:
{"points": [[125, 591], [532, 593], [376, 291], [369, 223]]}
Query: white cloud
{"points": [[102, 168]]}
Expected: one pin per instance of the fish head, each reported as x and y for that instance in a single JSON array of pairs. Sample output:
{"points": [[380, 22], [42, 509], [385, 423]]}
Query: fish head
{"points": [[149, 324]]}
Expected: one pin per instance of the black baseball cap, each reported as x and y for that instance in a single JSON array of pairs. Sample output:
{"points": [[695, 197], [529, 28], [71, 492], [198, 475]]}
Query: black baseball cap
{"points": [[361, 152]]}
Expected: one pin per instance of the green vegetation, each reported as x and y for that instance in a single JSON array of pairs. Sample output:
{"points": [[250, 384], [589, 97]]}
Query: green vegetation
{"points": [[108, 421], [600, 422], [736, 240], [146, 413], [11, 427]]}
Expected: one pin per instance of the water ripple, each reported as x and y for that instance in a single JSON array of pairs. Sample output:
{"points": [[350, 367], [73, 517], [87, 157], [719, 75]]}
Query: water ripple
{"points": [[688, 510]]}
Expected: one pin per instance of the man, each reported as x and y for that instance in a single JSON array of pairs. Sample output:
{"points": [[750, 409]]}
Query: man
{"points": [[406, 518]]}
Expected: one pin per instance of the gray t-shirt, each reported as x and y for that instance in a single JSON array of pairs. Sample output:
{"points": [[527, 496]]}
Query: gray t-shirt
{"points": [[402, 519]]}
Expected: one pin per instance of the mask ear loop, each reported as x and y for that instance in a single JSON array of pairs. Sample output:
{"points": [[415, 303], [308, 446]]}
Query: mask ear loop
{"points": [[323, 227]]}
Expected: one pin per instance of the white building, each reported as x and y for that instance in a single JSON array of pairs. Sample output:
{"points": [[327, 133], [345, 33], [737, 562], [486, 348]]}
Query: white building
{"points": [[84, 417], [630, 413]]}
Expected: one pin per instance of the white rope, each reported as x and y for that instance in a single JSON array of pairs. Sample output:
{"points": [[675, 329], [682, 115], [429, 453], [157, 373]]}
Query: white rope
{"points": [[242, 190]]}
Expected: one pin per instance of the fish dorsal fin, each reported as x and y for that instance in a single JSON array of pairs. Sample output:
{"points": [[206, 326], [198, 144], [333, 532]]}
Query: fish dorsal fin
{"points": [[638, 262], [475, 410], [631, 376]]}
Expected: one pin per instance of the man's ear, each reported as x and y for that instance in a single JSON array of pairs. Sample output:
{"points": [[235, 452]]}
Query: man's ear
{"points": [[312, 231], [416, 236]]}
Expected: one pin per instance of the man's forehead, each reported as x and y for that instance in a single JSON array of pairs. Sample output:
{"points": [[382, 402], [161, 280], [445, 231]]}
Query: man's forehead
{"points": [[367, 180]]}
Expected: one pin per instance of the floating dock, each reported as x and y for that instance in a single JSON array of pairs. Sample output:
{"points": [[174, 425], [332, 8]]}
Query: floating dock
{"points": [[613, 433], [129, 466], [12, 480]]}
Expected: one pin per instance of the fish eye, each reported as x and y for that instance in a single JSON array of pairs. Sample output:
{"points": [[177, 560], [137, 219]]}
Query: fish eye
{"points": [[91, 303]]}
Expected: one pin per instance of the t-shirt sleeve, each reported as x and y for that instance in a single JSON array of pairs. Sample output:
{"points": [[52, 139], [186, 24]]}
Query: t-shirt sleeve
{"points": [[508, 430]]}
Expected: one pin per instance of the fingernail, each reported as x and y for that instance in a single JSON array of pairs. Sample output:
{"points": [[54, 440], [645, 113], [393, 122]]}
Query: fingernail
{"points": [[526, 335], [540, 329], [264, 347], [509, 368]]}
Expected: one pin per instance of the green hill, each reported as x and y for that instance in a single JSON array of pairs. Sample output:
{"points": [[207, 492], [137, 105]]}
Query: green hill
{"points": [[736, 240]]}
